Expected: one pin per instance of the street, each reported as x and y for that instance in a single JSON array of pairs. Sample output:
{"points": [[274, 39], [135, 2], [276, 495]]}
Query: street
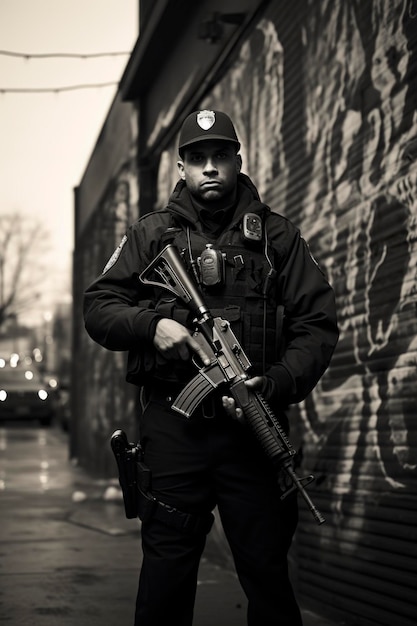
{"points": [[68, 554]]}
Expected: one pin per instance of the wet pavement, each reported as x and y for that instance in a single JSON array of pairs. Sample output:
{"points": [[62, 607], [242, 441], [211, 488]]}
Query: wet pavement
{"points": [[68, 555]]}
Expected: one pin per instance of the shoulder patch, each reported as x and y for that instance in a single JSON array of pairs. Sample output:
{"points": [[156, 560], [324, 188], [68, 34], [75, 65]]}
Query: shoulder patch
{"points": [[115, 255]]}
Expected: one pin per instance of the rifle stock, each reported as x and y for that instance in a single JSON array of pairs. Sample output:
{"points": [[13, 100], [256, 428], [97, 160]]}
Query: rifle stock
{"points": [[229, 366]]}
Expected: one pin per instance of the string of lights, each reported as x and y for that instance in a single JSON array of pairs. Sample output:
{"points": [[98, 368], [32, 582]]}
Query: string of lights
{"points": [[55, 89], [51, 55]]}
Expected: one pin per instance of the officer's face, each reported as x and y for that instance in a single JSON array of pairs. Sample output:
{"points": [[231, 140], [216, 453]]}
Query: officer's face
{"points": [[210, 170]]}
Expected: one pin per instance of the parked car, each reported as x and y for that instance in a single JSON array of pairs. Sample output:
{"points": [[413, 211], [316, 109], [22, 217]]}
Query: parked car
{"points": [[25, 395]]}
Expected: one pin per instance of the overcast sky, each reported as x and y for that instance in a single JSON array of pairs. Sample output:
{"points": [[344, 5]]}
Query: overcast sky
{"points": [[46, 139]]}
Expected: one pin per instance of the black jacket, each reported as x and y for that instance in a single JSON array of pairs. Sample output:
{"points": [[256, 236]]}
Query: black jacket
{"points": [[120, 312]]}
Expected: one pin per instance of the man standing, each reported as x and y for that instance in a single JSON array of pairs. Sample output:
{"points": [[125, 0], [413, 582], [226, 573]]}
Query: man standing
{"points": [[259, 266]]}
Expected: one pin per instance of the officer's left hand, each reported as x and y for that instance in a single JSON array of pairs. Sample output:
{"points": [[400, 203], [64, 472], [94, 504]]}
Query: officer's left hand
{"points": [[255, 384]]}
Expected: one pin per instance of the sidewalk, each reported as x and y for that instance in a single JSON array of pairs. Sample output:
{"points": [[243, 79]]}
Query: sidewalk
{"points": [[70, 557]]}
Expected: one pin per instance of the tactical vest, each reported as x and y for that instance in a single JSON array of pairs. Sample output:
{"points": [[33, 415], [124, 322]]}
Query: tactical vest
{"points": [[246, 297]]}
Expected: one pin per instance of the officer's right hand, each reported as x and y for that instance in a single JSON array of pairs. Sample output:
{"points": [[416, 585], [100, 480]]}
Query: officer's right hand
{"points": [[174, 341]]}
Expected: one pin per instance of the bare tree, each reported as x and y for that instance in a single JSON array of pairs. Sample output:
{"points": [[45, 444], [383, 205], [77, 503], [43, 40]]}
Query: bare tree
{"points": [[23, 243]]}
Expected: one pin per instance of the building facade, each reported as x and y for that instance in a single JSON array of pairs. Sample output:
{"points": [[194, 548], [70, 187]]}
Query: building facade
{"points": [[324, 97]]}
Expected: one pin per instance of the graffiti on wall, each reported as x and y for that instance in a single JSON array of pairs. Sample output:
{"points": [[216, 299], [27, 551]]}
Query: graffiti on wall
{"points": [[358, 143], [362, 133]]}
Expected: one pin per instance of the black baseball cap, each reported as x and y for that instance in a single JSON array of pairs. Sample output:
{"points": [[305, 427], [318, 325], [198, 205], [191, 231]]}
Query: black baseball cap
{"points": [[206, 124]]}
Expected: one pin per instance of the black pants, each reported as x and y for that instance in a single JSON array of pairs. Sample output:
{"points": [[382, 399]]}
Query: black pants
{"points": [[197, 464]]}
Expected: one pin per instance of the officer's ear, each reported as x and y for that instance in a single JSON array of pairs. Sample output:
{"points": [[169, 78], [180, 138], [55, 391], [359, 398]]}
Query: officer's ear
{"points": [[238, 163], [180, 166]]}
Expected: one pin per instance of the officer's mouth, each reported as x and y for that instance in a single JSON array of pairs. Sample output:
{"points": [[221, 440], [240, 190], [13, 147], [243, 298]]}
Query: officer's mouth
{"points": [[211, 184]]}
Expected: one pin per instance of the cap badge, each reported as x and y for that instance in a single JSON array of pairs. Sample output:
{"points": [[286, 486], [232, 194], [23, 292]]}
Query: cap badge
{"points": [[206, 119]]}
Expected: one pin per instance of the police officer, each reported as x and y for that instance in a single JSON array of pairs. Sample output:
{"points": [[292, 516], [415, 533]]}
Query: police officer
{"points": [[262, 278]]}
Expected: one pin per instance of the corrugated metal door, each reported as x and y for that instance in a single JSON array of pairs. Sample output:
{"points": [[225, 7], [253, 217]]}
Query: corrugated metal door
{"points": [[324, 99]]}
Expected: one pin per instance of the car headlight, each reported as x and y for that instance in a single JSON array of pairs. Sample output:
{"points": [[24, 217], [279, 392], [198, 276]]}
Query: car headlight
{"points": [[42, 394], [3, 395]]}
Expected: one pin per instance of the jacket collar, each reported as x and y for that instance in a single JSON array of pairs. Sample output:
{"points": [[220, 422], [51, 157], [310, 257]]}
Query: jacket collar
{"points": [[180, 203]]}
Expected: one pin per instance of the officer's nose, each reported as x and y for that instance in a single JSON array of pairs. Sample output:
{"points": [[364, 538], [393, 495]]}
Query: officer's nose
{"points": [[210, 166]]}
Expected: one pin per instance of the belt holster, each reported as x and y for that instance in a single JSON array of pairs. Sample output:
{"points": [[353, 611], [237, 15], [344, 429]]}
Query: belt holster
{"points": [[135, 480]]}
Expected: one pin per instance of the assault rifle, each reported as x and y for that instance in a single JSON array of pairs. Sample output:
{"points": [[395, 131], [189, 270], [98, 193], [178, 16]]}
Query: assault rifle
{"points": [[229, 366]]}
